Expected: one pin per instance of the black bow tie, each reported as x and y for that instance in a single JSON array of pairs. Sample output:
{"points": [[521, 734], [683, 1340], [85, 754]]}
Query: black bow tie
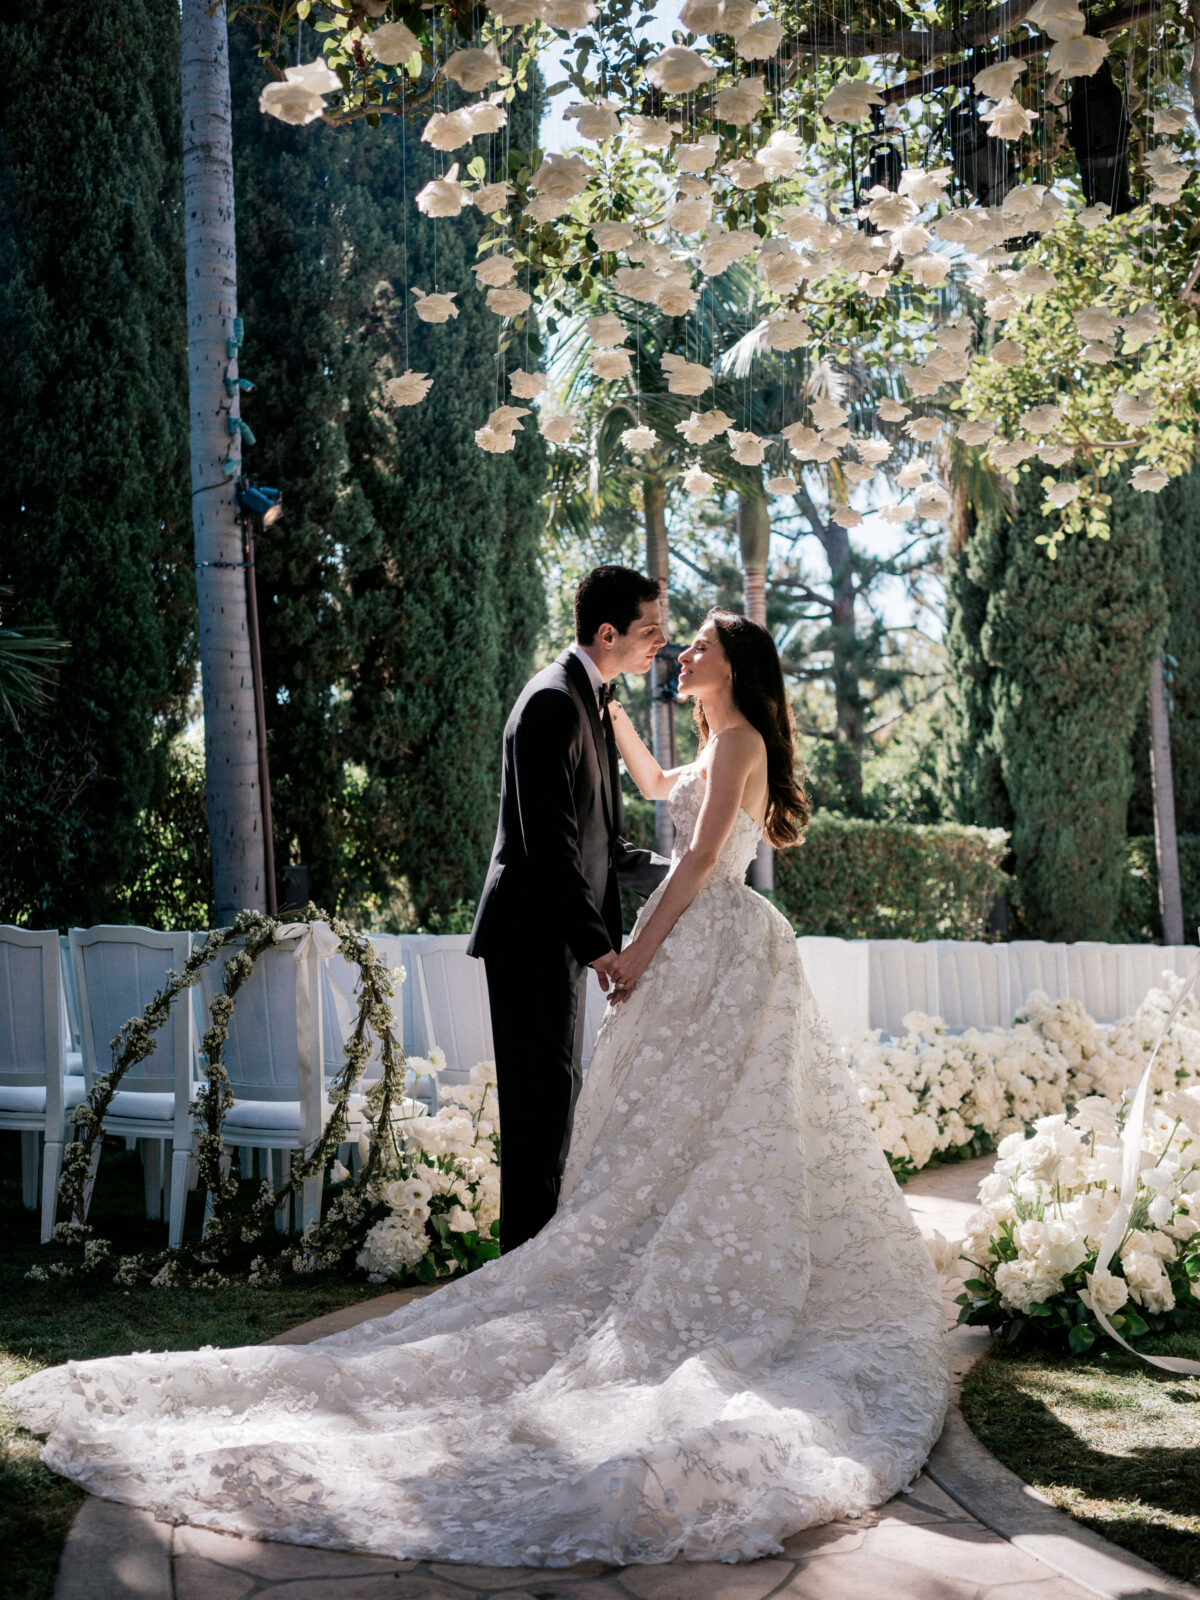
{"points": [[607, 693]]}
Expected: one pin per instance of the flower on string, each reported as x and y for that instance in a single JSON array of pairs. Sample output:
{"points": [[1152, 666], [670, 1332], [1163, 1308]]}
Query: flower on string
{"points": [[827, 413], [650, 133], [606, 330], [910, 240], [697, 482], [1173, 119], [298, 99], [1098, 353], [1008, 119], [473, 70], [1061, 19], [781, 154], [1055, 455], [515, 13], [802, 227], [508, 302], [1040, 420], [1132, 410], [724, 248], [1150, 479], [491, 197], [609, 365], [495, 271], [636, 440], [1008, 352], [747, 448], [544, 208], [1061, 494], [568, 16], [688, 214], [686, 377], [956, 227], [741, 102], [786, 330], [845, 516], [892, 410], [912, 473], [558, 429], [980, 430], [435, 307], [924, 188], [1005, 453], [717, 16], [527, 385], [850, 101], [782, 485], [955, 336], [612, 235], [596, 119], [1077, 58], [780, 267], [678, 70], [874, 285], [702, 427], [498, 434], [561, 177], [999, 81], [745, 173], [923, 429], [803, 441], [873, 451], [443, 197], [636, 283], [887, 210], [1034, 280], [409, 389], [1141, 327], [761, 40], [1096, 322], [392, 44], [931, 502], [698, 157], [896, 513], [857, 472], [448, 130], [1092, 216]]}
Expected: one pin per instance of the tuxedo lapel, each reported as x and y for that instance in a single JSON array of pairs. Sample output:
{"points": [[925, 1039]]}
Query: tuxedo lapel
{"points": [[577, 674]]}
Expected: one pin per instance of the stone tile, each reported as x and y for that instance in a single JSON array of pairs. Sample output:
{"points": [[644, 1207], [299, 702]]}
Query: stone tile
{"points": [[552, 1588], [490, 1580], [205, 1580], [1051, 1587], [265, 1559], [861, 1577], [832, 1538], [966, 1550], [114, 1550], [385, 1586], [926, 1503], [690, 1580]]}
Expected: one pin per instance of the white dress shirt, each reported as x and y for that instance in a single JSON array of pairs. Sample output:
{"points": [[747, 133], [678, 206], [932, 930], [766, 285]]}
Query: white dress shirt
{"points": [[592, 670]]}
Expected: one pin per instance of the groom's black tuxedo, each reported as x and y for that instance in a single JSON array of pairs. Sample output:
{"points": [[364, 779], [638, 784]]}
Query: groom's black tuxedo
{"points": [[550, 906]]}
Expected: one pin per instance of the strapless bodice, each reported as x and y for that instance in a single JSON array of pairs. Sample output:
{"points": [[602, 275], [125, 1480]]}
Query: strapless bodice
{"points": [[684, 804]]}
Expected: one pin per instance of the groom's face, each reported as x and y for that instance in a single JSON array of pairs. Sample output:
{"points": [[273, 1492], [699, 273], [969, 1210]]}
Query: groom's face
{"points": [[634, 650]]}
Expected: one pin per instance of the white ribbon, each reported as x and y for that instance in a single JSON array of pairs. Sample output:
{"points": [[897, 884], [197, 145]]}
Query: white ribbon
{"points": [[315, 942], [1131, 1161]]}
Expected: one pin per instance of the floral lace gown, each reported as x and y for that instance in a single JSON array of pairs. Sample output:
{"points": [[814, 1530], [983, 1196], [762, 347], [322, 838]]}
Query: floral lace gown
{"points": [[731, 1330]]}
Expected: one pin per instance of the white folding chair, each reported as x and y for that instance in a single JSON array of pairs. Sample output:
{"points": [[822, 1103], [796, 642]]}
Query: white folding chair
{"points": [[74, 1033], [839, 975], [452, 994], [1036, 964], [118, 971], [973, 984], [903, 978], [36, 1092]]}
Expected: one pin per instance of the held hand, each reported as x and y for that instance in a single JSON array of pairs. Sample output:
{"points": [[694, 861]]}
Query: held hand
{"points": [[603, 968], [627, 969]]}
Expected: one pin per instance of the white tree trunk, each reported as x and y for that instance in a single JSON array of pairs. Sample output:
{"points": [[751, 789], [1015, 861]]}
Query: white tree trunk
{"points": [[1170, 896], [230, 747], [754, 536]]}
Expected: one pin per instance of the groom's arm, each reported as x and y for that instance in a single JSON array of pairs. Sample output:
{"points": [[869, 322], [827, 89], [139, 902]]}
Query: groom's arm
{"points": [[639, 870], [545, 753]]}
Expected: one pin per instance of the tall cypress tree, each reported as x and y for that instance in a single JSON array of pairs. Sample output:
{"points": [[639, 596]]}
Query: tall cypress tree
{"points": [[94, 475], [1051, 659], [400, 595]]}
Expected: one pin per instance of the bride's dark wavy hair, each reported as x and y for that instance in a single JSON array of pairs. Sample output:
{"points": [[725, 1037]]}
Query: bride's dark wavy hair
{"points": [[759, 694]]}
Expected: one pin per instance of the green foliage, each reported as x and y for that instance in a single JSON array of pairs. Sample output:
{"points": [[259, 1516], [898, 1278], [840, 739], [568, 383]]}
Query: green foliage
{"points": [[871, 880], [1050, 660], [94, 479], [172, 886], [1139, 920]]}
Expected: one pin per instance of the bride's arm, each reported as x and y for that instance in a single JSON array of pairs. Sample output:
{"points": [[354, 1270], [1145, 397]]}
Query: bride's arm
{"points": [[734, 754], [653, 783]]}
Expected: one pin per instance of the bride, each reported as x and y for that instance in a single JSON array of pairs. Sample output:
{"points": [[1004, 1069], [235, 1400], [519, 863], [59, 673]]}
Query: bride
{"points": [[730, 1330]]}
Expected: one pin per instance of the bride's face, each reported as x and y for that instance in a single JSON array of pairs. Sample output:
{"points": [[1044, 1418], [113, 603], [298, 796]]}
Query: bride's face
{"points": [[704, 666]]}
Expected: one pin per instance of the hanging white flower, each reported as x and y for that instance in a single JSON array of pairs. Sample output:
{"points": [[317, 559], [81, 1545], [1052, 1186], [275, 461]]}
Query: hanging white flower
{"points": [[780, 267], [447, 130], [845, 516], [857, 472], [558, 429], [873, 451], [928, 270], [923, 429], [806, 443], [956, 227], [741, 102], [609, 365], [1040, 420], [678, 70], [636, 440], [491, 197], [568, 16], [761, 40], [1098, 353], [544, 208], [979, 431], [698, 157], [473, 70], [606, 331], [1173, 119], [1077, 58], [495, 271], [786, 330], [1061, 19], [1055, 455], [1092, 216], [508, 302], [1096, 322], [747, 449], [955, 336], [1033, 280], [527, 385], [1142, 327], [636, 283], [650, 133], [409, 389], [1150, 479], [802, 227], [1008, 352], [999, 81], [688, 214], [1008, 119], [443, 197], [298, 99], [686, 377], [912, 473], [931, 502], [887, 210], [1006, 453], [515, 13], [702, 427], [745, 173], [1061, 494], [507, 417], [924, 188], [392, 44], [827, 413], [697, 482], [910, 240], [435, 307], [612, 235], [596, 120], [717, 16], [896, 513], [784, 484], [780, 156], [561, 177], [874, 285], [496, 441], [892, 410], [676, 298], [850, 101], [724, 248]]}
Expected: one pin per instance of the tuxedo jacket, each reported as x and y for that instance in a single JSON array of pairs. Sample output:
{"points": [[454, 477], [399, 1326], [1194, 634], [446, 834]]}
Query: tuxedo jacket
{"points": [[559, 859]]}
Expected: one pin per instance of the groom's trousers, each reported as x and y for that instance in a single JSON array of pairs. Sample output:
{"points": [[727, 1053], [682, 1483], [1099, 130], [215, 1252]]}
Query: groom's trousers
{"points": [[537, 1002]]}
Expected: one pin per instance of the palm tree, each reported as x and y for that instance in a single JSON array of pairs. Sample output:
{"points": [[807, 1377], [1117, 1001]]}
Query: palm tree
{"points": [[28, 663]]}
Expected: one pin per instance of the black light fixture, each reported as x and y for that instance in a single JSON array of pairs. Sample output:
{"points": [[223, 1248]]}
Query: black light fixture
{"points": [[885, 159], [261, 502], [1098, 128], [666, 677], [983, 166]]}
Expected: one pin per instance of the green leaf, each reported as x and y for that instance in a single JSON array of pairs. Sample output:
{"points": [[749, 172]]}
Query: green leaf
{"points": [[303, 9], [1081, 1338]]}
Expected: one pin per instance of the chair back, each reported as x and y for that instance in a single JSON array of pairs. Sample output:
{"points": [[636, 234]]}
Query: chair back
{"points": [[273, 1048], [452, 993], [973, 984], [66, 968], [340, 1000], [32, 1045], [903, 978], [118, 971]]}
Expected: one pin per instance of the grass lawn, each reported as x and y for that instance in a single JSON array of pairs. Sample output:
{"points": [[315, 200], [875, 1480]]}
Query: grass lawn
{"points": [[45, 1323], [1111, 1441]]}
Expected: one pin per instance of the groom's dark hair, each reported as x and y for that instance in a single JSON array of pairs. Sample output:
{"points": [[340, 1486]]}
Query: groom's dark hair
{"points": [[610, 594]]}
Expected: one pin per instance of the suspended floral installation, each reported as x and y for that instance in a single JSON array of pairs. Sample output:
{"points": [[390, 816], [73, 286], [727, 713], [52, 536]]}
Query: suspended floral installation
{"points": [[914, 199]]}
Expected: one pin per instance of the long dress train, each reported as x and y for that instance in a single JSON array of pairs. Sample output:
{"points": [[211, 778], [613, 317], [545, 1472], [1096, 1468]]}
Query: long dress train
{"points": [[730, 1331]]}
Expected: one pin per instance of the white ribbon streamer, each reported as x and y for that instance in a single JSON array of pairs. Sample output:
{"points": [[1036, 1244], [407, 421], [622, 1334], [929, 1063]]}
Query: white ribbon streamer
{"points": [[315, 942], [1131, 1154]]}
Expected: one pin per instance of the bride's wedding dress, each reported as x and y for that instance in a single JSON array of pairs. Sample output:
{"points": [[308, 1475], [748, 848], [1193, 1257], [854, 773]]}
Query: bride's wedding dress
{"points": [[730, 1331]]}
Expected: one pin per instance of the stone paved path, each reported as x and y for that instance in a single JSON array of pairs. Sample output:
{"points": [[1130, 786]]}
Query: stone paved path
{"points": [[920, 1546]]}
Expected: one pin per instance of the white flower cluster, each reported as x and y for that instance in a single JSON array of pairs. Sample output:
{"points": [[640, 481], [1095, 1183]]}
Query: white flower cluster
{"points": [[445, 1194]]}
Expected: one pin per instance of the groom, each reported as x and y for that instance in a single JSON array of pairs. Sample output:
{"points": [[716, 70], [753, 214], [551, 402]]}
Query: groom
{"points": [[551, 905]]}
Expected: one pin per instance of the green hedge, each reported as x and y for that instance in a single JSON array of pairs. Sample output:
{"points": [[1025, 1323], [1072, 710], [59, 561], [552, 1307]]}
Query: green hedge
{"points": [[891, 880], [1138, 919]]}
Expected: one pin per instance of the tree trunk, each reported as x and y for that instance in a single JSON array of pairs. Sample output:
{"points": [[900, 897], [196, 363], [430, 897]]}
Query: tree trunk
{"points": [[754, 536], [662, 712], [1170, 897], [230, 733]]}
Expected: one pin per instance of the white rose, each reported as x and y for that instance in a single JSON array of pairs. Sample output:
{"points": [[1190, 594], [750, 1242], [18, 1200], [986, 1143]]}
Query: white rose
{"points": [[460, 1220], [393, 44], [1104, 1292]]}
